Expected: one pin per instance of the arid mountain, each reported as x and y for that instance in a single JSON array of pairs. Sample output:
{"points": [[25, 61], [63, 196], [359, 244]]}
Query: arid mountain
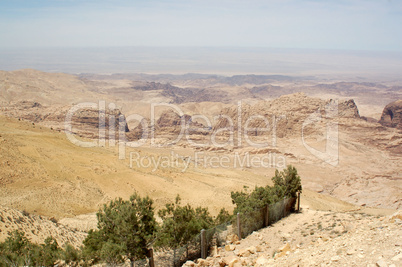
{"points": [[42, 87], [392, 115], [85, 122], [284, 115], [298, 120], [211, 78], [169, 123], [132, 92]]}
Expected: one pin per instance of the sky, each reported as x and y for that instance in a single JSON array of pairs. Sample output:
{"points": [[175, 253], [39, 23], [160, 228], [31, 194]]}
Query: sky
{"points": [[306, 24]]}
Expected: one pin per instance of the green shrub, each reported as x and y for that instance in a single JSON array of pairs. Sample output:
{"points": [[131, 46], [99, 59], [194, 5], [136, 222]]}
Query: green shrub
{"points": [[125, 229], [182, 223], [71, 255], [223, 217], [287, 182]]}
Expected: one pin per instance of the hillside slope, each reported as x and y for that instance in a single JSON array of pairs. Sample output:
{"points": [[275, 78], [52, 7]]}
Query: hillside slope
{"points": [[317, 238], [42, 172], [37, 228]]}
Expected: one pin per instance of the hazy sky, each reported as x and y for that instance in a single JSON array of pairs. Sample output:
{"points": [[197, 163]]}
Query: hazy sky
{"points": [[338, 24]]}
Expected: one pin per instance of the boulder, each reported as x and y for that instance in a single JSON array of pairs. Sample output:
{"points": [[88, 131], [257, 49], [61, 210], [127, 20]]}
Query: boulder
{"points": [[262, 261], [189, 264], [232, 238], [228, 261], [230, 247]]}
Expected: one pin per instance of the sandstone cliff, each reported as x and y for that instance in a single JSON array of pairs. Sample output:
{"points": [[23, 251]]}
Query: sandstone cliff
{"points": [[392, 115], [85, 122], [286, 114]]}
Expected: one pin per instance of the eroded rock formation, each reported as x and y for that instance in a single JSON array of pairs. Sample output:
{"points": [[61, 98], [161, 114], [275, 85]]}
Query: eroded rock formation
{"points": [[392, 115]]}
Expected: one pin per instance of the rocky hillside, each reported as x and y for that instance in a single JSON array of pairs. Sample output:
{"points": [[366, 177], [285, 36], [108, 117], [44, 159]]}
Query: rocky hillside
{"points": [[289, 112], [316, 238], [169, 123], [42, 172], [84, 122], [37, 228], [392, 115]]}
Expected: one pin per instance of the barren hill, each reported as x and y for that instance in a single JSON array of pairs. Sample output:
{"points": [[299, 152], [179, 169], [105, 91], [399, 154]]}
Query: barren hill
{"points": [[44, 173], [42, 87]]}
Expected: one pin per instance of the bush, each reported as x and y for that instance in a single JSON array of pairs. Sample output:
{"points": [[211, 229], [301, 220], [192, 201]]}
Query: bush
{"points": [[48, 253], [71, 255], [287, 182], [223, 217], [251, 205], [182, 223], [16, 250]]}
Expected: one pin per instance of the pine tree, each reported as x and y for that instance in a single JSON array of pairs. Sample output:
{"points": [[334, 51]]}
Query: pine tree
{"points": [[287, 182], [181, 224], [125, 229]]}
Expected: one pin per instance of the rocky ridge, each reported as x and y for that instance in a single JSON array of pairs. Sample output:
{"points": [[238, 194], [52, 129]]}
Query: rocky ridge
{"points": [[286, 114], [85, 122]]}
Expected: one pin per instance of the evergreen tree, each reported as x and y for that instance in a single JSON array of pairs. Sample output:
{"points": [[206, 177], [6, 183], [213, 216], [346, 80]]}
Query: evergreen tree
{"points": [[71, 255], [251, 205], [223, 217], [17, 250], [181, 224], [125, 229], [287, 182], [48, 253]]}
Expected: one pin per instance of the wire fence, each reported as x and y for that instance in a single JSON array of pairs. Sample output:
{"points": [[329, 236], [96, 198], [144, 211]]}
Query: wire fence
{"points": [[209, 239]]}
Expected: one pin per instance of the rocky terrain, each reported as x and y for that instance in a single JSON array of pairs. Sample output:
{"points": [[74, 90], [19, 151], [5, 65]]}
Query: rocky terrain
{"points": [[392, 115], [316, 238], [289, 111], [37, 228], [368, 170], [85, 122]]}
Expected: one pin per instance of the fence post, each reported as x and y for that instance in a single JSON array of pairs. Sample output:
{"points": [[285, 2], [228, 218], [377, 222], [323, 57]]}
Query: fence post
{"points": [[238, 226], [283, 208], [151, 257], [298, 201], [267, 216], [203, 245]]}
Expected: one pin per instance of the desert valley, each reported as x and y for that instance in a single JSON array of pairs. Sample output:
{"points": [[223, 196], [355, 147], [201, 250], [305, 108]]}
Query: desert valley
{"points": [[71, 143]]}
